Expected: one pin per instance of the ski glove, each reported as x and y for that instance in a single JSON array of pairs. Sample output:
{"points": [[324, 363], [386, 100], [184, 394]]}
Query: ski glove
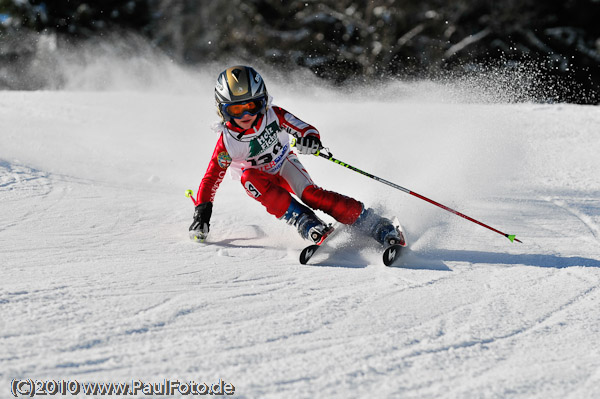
{"points": [[308, 145], [201, 225]]}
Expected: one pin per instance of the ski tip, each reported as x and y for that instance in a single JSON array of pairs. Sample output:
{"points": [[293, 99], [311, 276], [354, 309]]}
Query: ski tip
{"points": [[197, 236], [307, 253], [392, 253], [513, 238], [189, 193]]}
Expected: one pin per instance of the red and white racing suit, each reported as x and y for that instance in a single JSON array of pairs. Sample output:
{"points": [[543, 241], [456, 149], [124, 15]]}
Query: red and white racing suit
{"points": [[268, 170]]}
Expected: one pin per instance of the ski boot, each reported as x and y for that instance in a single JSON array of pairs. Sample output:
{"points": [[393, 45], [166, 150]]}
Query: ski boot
{"points": [[309, 226], [381, 229]]}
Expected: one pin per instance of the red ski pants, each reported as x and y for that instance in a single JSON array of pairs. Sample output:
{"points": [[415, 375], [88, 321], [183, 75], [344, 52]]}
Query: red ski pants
{"points": [[273, 192]]}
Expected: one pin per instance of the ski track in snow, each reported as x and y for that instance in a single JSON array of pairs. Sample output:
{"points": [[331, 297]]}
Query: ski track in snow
{"points": [[585, 219], [101, 283]]}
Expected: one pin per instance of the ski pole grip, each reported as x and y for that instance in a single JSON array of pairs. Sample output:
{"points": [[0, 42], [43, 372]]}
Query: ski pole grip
{"points": [[318, 153]]}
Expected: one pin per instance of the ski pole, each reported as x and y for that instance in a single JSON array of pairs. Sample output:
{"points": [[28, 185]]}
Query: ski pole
{"points": [[330, 157]]}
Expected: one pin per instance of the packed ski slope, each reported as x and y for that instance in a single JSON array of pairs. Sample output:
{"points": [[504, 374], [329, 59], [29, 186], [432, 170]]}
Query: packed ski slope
{"points": [[100, 282]]}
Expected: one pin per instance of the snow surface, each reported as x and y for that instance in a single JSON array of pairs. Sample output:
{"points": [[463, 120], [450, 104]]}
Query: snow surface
{"points": [[101, 283]]}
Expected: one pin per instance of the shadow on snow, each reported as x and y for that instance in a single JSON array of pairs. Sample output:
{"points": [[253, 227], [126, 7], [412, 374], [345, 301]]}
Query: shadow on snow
{"points": [[537, 260], [437, 259]]}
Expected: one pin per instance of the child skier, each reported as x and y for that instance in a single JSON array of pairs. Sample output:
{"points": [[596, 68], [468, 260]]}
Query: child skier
{"points": [[254, 142]]}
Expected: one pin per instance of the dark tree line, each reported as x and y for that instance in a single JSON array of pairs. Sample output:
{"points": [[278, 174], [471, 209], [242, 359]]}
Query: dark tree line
{"points": [[340, 40]]}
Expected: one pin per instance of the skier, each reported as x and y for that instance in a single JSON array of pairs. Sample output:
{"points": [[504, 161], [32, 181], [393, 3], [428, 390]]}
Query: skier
{"points": [[254, 143]]}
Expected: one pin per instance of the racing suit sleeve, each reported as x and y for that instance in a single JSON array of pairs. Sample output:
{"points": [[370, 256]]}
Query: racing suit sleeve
{"points": [[293, 125], [219, 162]]}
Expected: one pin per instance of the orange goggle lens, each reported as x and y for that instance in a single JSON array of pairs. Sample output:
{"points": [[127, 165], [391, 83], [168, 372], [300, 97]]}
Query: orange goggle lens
{"points": [[250, 107]]}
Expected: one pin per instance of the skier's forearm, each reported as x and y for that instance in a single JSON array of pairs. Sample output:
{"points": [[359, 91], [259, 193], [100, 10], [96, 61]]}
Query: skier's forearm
{"points": [[210, 184], [215, 173]]}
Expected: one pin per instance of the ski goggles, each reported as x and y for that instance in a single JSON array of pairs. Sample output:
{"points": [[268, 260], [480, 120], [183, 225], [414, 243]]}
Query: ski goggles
{"points": [[252, 107]]}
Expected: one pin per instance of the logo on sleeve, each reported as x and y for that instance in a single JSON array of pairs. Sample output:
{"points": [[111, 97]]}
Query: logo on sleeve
{"points": [[224, 159]]}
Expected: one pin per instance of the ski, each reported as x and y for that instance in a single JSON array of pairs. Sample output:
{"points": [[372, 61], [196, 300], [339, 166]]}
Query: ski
{"points": [[394, 249], [392, 253], [310, 250]]}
